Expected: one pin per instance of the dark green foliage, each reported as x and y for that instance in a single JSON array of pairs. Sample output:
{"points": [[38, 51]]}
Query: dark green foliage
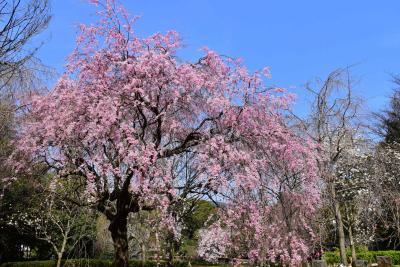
{"points": [[17, 198], [389, 119], [194, 214], [200, 213], [333, 257]]}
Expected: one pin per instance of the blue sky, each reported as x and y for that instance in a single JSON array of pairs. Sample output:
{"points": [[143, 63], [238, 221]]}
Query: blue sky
{"points": [[298, 40]]}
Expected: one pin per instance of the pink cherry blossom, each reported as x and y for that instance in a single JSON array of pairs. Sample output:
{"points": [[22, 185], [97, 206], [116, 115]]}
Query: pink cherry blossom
{"points": [[128, 111]]}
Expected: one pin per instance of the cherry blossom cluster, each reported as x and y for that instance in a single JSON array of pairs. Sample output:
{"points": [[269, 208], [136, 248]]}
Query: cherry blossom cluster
{"points": [[128, 108]]}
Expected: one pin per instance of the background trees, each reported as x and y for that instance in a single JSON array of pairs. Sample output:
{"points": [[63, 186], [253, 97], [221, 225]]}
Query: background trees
{"points": [[20, 22], [17, 197], [59, 221], [388, 120], [336, 125], [19, 72], [385, 195], [357, 171]]}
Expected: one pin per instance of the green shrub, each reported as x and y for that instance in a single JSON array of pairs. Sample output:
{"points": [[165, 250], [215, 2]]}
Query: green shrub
{"points": [[47, 263], [333, 256], [87, 262]]}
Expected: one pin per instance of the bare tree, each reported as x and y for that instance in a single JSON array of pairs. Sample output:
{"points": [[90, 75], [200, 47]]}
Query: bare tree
{"points": [[334, 123], [139, 234], [21, 73], [62, 225], [20, 70], [352, 186], [385, 194], [56, 219], [20, 21]]}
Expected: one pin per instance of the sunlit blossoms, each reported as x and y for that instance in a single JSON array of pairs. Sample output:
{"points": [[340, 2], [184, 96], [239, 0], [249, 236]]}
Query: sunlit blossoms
{"points": [[270, 221], [214, 243]]}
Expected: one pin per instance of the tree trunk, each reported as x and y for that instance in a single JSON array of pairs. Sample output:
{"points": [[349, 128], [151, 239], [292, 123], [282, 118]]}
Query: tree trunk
{"points": [[59, 258], [339, 224], [352, 245], [143, 254], [262, 258], [119, 234], [170, 250], [158, 249], [170, 258], [62, 249]]}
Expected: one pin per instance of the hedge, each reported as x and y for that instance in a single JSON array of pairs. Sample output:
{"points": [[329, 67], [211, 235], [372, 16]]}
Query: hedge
{"points": [[333, 257], [97, 263]]}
